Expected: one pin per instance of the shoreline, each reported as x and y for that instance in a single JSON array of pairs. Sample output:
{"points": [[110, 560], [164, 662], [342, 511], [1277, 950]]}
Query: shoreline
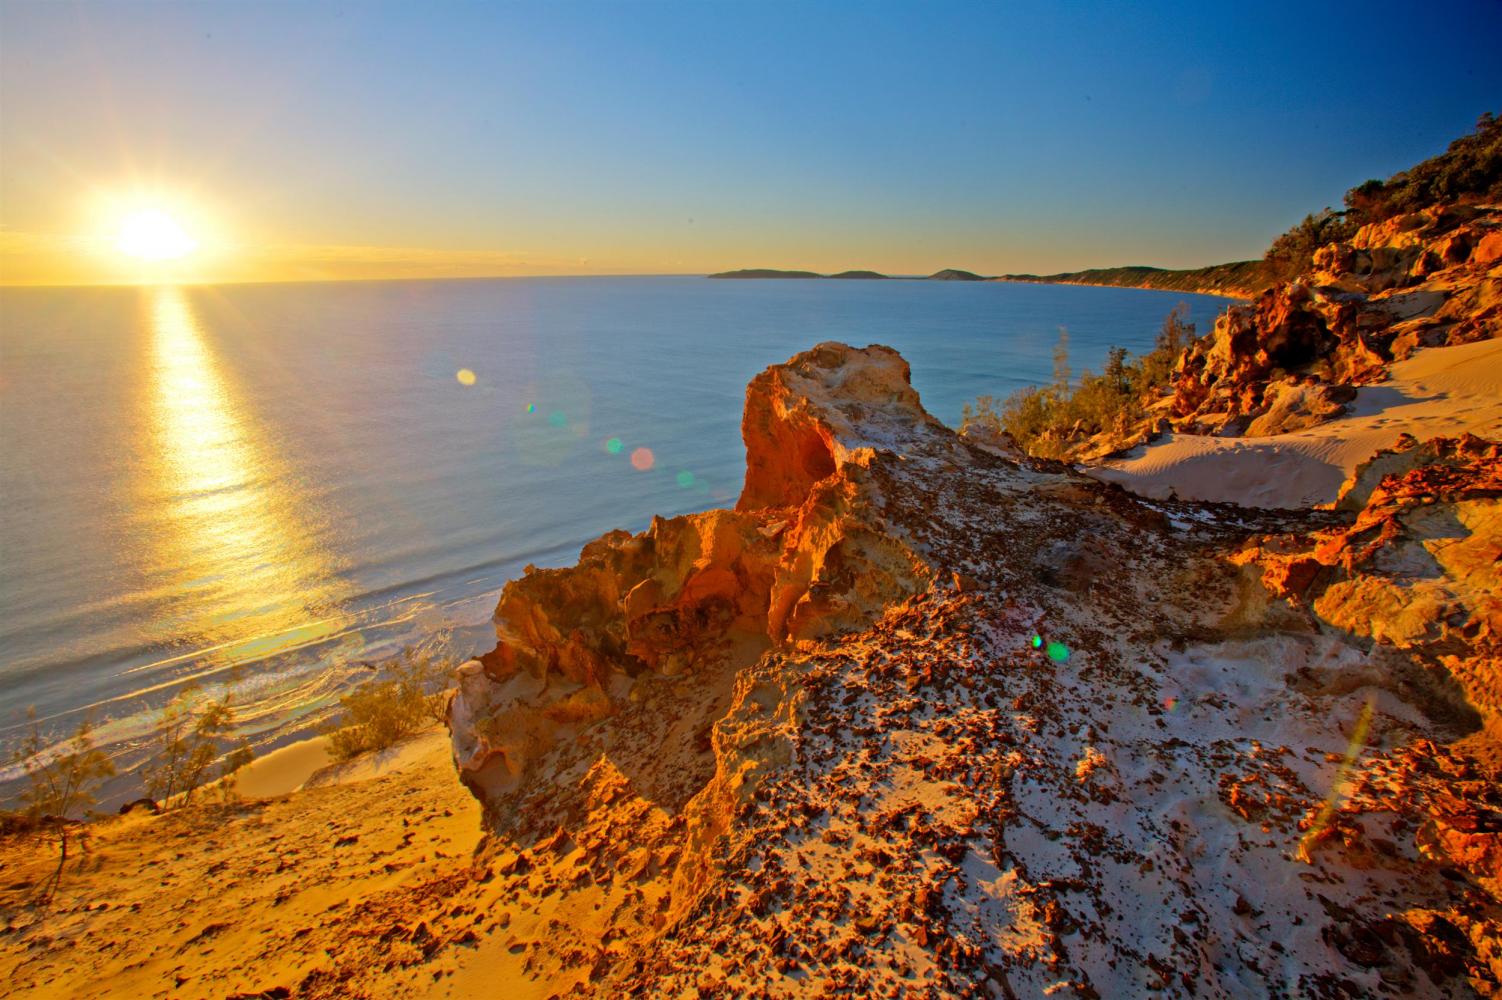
{"points": [[260, 897], [386, 876], [1236, 295], [290, 738]]}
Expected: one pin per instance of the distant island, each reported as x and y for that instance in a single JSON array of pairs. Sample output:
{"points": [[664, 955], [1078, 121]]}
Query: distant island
{"points": [[767, 272], [947, 274], [955, 274]]}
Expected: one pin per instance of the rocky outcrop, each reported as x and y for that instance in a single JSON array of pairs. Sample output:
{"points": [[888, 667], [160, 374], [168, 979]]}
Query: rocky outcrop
{"points": [[1416, 574], [1293, 356], [803, 553], [919, 716], [1418, 568]]}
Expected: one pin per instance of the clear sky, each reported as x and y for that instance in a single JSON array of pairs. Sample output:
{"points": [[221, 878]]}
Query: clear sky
{"points": [[361, 139]]}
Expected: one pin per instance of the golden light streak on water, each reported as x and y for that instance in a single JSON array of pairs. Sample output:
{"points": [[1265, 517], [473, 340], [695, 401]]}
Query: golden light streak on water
{"points": [[233, 546]]}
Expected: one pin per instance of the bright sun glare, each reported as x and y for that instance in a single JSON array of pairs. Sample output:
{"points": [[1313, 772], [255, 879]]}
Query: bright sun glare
{"points": [[153, 235]]}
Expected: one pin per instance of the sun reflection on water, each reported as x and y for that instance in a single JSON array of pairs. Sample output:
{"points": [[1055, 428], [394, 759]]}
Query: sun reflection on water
{"points": [[234, 549]]}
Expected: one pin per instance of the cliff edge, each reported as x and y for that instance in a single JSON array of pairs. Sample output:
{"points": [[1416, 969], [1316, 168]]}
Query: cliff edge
{"points": [[918, 716]]}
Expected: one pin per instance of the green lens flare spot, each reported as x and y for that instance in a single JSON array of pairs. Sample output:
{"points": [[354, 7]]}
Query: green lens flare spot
{"points": [[613, 446], [1057, 652], [1037, 642], [531, 407], [685, 479], [557, 418]]}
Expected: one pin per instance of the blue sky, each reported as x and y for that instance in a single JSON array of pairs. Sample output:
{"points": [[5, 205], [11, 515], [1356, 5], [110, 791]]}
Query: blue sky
{"points": [[663, 137]]}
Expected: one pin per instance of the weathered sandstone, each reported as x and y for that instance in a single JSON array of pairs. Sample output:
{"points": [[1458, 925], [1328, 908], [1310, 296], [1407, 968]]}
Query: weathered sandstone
{"points": [[1292, 357], [917, 716]]}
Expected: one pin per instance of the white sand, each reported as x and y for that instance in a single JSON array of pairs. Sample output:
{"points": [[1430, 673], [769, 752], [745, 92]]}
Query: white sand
{"points": [[1440, 392]]}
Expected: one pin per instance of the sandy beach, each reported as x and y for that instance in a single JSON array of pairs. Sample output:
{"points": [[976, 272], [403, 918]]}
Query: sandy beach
{"points": [[1440, 392], [259, 894], [309, 764]]}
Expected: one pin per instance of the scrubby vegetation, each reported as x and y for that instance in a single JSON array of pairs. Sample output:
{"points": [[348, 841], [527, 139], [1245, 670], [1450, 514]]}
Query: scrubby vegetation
{"points": [[1047, 421], [1293, 252], [1470, 170], [381, 713], [1240, 278], [189, 740], [62, 782]]}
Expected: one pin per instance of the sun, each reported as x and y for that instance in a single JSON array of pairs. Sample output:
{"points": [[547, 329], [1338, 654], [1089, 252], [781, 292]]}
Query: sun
{"points": [[151, 234]]}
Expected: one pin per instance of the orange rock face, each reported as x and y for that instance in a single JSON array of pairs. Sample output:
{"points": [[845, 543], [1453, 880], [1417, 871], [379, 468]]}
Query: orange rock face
{"points": [[1419, 567], [795, 559], [918, 718], [1292, 357]]}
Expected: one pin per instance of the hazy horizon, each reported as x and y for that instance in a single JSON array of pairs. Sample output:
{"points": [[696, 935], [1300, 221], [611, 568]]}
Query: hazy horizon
{"points": [[390, 141]]}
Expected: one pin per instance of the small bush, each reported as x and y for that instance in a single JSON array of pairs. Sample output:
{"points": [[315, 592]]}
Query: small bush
{"points": [[377, 714], [1293, 253], [1152, 374], [1046, 421], [380, 714], [188, 743], [62, 782]]}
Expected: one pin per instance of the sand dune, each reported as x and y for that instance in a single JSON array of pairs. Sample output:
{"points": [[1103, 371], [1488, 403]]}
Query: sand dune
{"points": [[297, 893], [1441, 392]]}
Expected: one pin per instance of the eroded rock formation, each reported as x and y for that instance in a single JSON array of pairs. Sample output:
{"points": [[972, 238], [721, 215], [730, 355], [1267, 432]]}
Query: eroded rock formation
{"points": [[1420, 567], [804, 553], [919, 717], [1293, 356]]}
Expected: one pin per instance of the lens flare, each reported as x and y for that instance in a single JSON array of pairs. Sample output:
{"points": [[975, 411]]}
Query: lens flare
{"points": [[558, 418], [685, 479], [465, 376], [1057, 652], [1327, 812], [1037, 642], [642, 459], [613, 446], [531, 407]]}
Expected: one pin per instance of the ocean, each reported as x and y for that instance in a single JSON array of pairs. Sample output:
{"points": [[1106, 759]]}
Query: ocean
{"points": [[264, 488]]}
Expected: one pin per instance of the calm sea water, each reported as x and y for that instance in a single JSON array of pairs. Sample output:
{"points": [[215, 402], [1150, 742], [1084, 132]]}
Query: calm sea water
{"points": [[267, 485]]}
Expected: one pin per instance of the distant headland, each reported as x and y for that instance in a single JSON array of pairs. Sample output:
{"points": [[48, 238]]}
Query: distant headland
{"points": [[1238, 279], [947, 274]]}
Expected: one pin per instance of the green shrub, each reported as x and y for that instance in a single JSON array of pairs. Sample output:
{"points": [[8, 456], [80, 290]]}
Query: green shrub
{"points": [[62, 782], [1293, 253], [1047, 421], [1470, 170], [381, 713], [377, 714], [189, 739], [1151, 375]]}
